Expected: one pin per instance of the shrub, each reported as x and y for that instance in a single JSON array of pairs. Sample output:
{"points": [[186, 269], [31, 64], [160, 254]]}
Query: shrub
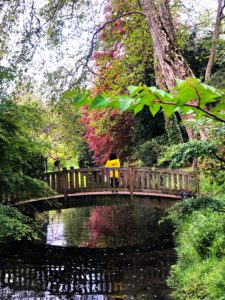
{"points": [[15, 226], [182, 155], [200, 226], [149, 152]]}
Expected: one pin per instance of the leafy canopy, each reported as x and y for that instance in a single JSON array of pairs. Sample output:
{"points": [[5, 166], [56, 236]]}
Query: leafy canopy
{"points": [[190, 96]]}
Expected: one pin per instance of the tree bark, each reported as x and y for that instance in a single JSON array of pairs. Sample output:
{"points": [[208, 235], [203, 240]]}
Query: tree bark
{"points": [[219, 17], [169, 62]]}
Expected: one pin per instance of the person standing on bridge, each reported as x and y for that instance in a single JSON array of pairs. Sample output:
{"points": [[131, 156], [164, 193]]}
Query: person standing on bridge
{"points": [[113, 162], [57, 164]]}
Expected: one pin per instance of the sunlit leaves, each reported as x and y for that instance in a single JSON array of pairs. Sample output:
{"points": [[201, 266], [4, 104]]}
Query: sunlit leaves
{"points": [[189, 96], [125, 103], [192, 89], [99, 102]]}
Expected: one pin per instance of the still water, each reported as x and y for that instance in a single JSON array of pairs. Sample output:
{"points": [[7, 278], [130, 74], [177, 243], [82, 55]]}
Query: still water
{"points": [[92, 253]]}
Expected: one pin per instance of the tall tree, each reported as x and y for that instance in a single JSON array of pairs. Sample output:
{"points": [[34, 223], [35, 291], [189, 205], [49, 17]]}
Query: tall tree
{"points": [[219, 17]]}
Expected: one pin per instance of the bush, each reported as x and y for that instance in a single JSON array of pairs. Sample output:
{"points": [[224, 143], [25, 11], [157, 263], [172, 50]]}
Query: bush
{"points": [[182, 155], [22, 187], [200, 226], [15, 226], [149, 152]]}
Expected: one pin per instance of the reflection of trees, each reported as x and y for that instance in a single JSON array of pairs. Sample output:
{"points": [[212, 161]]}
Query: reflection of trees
{"points": [[111, 227], [127, 226], [74, 229], [150, 231]]}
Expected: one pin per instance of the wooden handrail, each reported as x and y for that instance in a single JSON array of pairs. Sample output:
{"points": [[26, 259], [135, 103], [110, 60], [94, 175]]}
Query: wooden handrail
{"points": [[128, 179]]}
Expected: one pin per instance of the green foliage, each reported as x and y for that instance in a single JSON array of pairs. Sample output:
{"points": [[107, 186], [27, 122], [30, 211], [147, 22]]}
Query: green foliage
{"points": [[213, 180], [14, 226], [84, 155], [217, 79], [149, 152], [188, 206], [65, 131], [174, 130], [182, 155], [199, 227], [190, 97], [147, 127], [21, 150]]}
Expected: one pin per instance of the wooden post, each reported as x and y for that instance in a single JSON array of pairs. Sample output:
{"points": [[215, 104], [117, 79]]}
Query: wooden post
{"points": [[64, 181], [65, 185], [169, 182], [71, 178], [197, 176], [131, 181]]}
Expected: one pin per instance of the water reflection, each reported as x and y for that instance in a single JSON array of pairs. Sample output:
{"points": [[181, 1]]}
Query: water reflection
{"points": [[119, 252], [67, 273], [108, 226]]}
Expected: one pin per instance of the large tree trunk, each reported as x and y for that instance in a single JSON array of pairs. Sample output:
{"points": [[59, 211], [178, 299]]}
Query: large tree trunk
{"points": [[219, 17], [169, 63]]}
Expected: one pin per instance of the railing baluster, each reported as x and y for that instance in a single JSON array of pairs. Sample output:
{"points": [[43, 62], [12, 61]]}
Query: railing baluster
{"points": [[130, 179], [71, 179]]}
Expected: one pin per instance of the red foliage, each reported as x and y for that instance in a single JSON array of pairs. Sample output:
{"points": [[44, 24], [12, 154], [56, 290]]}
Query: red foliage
{"points": [[109, 222], [107, 132]]}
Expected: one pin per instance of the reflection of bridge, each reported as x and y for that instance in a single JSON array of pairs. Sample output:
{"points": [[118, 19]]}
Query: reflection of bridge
{"points": [[132, 181], [70, 272]]}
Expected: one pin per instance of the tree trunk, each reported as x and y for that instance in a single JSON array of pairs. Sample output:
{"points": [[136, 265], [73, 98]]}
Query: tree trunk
{"points": [[170, 64], [219, 17]]}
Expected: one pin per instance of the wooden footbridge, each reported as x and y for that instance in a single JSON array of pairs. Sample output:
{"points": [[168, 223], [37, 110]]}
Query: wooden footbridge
{"points": [[131, 181]]}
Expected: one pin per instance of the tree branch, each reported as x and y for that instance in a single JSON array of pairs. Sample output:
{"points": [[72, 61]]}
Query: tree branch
{"points": [[193, 106], [219, 158], [124, 89], [103, 26]]}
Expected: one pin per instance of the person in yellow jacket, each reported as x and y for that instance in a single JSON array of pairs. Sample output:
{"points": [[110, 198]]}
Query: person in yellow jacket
{"points": [[113, 162]]}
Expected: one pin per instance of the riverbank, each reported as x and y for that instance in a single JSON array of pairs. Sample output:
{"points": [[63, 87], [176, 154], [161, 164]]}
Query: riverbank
{"points": [[200, 238]]}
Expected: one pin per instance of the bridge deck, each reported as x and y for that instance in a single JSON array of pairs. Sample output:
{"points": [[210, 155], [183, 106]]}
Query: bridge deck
{"points": [[125, 181]]}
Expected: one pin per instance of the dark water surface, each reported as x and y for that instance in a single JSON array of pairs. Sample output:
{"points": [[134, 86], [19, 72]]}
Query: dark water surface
{"points": [[92, 253]]}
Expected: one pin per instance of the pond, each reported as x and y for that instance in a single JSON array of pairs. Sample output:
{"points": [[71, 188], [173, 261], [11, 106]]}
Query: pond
{"points": [[93, 253]]}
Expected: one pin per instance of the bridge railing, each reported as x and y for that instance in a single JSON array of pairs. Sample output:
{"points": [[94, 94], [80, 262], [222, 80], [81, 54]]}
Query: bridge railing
{"points": [[128, 179]]}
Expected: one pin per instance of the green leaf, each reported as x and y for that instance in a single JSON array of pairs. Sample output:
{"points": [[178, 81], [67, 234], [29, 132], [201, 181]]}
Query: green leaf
{"points": [[147, 98], [99, 102], [125, 103], [133, 90], [114, 104], [193, 90], [164, 96], [138, 108], [168, 109], [69, 94], [154, 109], [81, 100], [219, 108], [152, 89], [178, 84]]}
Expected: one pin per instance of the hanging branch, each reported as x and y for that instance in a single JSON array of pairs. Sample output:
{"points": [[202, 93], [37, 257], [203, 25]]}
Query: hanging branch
{"points": [[103, 26]]}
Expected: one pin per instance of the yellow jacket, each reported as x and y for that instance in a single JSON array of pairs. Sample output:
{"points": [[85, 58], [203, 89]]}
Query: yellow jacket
{"points": [[114, 163]]}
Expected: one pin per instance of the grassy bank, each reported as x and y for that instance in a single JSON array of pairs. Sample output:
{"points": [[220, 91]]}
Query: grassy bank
{"points": [[200, 239]]}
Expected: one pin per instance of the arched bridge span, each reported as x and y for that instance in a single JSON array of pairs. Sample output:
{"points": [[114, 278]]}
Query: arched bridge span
{"points": [[133, 181]]}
